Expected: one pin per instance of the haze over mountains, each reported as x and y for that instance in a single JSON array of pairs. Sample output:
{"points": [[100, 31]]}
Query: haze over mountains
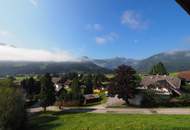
{"points": [[21, 67], [174, 61]]}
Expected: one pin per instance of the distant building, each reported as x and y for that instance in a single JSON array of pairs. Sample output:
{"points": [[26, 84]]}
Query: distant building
{"points": [[163, 85], [90, 98], [57, 83], [184, 75]]}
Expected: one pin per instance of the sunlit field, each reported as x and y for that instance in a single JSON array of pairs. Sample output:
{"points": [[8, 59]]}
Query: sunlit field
{"points": [[86, 121]]}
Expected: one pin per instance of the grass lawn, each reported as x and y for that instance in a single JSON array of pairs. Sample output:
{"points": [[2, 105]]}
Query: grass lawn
{"points": [[173, 74], [86, 121], [20, 78], [109, 76]]}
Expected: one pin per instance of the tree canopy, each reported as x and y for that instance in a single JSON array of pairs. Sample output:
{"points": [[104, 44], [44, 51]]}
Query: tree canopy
{"points": [[7, 82], [159, 69], [76, 90], [12, 111], [31, 87], [47, 94], [89, 84], [124, 83]]}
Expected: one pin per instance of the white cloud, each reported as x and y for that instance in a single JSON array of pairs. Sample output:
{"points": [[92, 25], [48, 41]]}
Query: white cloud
{"points": [[22, 54], [94, 27], [133, 20], [177, 51], [174, 52], [34, 2], [101, 40], [4, 33], [106, 38]]}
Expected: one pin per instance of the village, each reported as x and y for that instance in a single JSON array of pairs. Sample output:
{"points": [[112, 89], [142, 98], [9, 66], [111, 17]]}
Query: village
{"points": [[159, 89], [94, 65]]}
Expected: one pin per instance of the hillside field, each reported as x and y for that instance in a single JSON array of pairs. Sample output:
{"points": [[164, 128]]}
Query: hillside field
{"points": [[86, 121]]}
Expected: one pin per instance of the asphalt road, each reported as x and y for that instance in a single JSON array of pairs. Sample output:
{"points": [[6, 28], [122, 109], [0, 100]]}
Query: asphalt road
{"points": [[102, 108], [168, 111]]}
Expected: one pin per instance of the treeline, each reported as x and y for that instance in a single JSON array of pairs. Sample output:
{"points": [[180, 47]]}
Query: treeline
{"points": [[41, 89], [12, 106]]}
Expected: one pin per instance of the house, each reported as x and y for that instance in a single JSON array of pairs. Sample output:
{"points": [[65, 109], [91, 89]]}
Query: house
{"points": [[68, 82], [184, 75], [57, 83], [161, 84], [90, 98]]}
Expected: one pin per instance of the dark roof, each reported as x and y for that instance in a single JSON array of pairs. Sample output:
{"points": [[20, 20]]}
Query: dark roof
{"points": [[185, 4], [91, 96], [152, 79], [68, 82]]}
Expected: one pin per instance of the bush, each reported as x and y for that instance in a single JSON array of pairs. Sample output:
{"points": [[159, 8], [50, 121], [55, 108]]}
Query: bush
{"points": [[181, 101], [186, 88], [12, 111], [150, 99]]}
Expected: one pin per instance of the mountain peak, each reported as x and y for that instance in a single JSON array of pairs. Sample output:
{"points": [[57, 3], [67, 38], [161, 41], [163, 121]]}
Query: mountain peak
{"points": [[85, 59]]}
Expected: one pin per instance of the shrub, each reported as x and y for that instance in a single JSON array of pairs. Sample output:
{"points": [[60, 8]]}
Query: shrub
{"points": [[151, 99], [12, 111], [186, 88], [184, 97]]}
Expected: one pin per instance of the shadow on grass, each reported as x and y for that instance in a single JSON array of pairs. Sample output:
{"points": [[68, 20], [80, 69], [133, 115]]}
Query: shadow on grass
{"points": [[75, 111], [43, 122], [46, 121], [180, 128]]}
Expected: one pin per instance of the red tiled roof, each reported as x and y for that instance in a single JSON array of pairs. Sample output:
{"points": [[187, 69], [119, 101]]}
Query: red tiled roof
{"points": [[184, 75]]}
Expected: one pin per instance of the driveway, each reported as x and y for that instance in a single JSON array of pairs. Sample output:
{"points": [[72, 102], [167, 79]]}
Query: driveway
{"points": [[102, 108]]}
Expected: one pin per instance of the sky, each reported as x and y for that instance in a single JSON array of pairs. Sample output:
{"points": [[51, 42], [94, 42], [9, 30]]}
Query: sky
{"points": [[62, 30]]}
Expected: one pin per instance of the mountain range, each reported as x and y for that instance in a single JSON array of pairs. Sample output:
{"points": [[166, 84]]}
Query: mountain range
{"points": [[23, 67], [174, 61]]}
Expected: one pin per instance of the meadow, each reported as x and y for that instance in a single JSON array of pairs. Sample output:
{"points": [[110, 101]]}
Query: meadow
{"points": [[109, 121]]}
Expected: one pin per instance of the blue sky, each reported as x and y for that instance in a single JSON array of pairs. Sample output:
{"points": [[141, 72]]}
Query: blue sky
{"points": [[94, 28]]}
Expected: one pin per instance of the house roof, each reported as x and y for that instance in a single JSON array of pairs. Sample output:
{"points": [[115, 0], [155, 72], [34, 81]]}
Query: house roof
{"points": [[173, 87], [91, 96], [185, 4], [184, 75], [152, 79], [68, 82], [56, 80]]}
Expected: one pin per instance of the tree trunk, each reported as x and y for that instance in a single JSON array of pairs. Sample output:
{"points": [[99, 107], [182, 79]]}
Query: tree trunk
{"points": [[44, 109], [127, 102]]}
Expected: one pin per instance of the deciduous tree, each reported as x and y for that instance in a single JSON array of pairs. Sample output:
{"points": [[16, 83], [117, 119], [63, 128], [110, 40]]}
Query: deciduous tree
{"points": [[124, 83]]}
